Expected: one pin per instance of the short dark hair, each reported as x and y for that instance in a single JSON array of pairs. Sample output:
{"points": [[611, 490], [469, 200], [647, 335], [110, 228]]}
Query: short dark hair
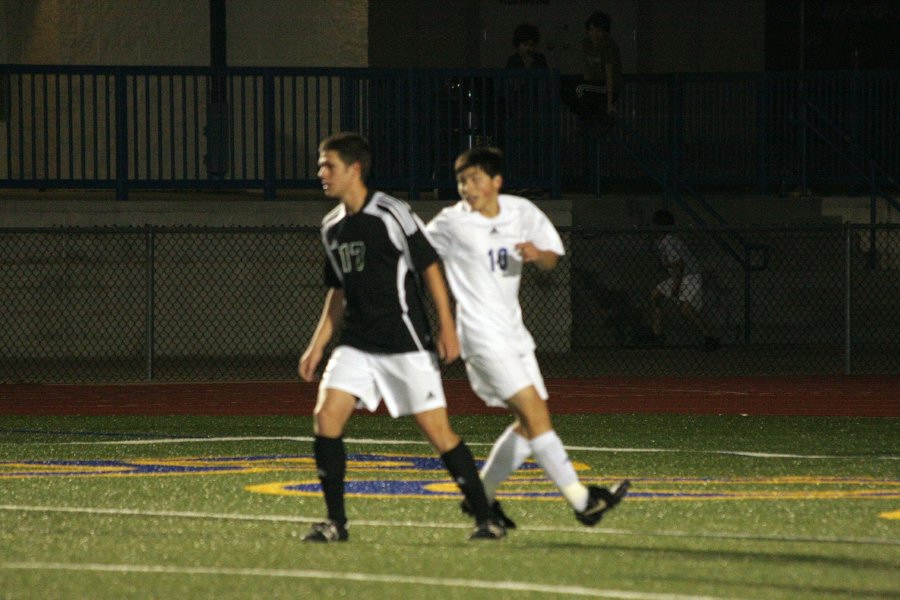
{"points": [[490, 160], [598, 19], [663, 218], [525, 32], [352, 148]]}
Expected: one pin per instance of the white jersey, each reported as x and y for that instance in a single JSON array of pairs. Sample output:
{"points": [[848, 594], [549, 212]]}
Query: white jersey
{"points": [[672, 250], [485, 269]]}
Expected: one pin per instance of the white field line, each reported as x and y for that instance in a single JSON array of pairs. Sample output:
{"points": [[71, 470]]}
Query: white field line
{"points": [[514, 586], [130, 512], [165, 441]]}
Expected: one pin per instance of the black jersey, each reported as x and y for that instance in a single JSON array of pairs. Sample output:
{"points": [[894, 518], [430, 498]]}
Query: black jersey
{"points": [[376, 256]]}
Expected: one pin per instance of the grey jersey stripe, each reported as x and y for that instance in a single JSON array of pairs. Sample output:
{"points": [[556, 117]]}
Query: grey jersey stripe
{"points": [[400, 210], [396, 213], [330, 220]]}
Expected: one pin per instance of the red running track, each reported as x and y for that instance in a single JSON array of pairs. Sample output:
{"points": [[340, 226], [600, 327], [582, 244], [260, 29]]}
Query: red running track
{"points": [[869, 396]]}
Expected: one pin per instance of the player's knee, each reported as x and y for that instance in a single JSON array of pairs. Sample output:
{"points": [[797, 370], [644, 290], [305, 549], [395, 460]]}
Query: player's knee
{"points": [[329, 419], [436, 427], [326, 425], [537, 426], [444, 440], [532, 415]]}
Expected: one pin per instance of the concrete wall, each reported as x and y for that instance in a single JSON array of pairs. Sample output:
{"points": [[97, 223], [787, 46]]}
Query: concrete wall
{"points": [[131, 32], [694, 36], [329, 33], [5, 29], [291, 33], [655, 36], [423, 34], [858, 210]]}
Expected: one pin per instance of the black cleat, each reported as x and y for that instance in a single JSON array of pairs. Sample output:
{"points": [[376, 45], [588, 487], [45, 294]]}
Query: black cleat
{"points": [[499, 515], [601, 500], [327, 531], [488, 530]]}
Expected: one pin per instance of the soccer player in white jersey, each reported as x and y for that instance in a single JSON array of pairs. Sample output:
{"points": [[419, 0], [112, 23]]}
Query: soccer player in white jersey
{"points": [[485, 240], [377, 258]]}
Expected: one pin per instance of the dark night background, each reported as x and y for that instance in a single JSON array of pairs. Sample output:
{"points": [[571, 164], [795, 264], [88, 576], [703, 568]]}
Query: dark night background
{"points": [[838, 34]]}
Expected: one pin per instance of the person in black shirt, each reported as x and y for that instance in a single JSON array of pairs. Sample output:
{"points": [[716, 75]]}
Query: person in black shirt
{"points": [[377, 262], [525, 40]]}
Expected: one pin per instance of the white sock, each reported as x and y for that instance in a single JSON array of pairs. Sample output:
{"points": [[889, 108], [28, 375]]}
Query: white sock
{"points": [[509, 452], [548, 451]]}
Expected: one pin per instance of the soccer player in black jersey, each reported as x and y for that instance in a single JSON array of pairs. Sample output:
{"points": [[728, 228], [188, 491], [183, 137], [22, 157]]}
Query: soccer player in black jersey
{"points": [[377, 262]]}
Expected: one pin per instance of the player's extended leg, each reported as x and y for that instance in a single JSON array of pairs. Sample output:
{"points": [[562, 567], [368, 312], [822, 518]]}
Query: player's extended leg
{"points": [[508, 453], [333, 410], [459, 462], [546, 447], [589, 503]]}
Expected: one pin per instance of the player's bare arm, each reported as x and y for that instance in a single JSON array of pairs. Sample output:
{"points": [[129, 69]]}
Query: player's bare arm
{"points": [[545, 260], [447, 342], [329, 321]]}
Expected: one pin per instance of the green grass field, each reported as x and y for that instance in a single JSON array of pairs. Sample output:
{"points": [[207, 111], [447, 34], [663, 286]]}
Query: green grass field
{"points": [[214, 507]]}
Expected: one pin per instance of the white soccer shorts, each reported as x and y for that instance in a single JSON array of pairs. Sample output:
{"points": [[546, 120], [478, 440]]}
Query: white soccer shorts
{"points": [[691, 290], [496, 379], [409, 383]]}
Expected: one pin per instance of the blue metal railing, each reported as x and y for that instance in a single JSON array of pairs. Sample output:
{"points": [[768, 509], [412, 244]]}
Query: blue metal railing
{"points": [[130, 128], [743, 128]]}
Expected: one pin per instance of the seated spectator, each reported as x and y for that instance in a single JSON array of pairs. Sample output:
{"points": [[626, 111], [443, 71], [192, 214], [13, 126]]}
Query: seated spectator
{"points": [[684, 286], [525, 40]]}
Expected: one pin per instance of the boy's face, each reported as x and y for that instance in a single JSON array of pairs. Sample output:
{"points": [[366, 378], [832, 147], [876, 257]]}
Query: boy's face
{"points": [[479, 189], [527, 48], [335, 175]]}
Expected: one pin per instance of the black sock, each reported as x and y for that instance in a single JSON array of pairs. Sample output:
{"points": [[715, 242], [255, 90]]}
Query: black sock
{"points": [[331, 462], [461, 465]]}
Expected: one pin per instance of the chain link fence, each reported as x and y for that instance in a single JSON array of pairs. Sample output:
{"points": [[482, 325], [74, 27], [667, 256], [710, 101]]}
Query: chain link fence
{"points": [[192, 304]]}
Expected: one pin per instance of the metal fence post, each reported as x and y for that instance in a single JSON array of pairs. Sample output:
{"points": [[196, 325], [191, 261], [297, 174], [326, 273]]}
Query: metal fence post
{"points": [[349, 85], [762, 123], [121, 85], [414, 133], [801, 137], [678, 118], [269, 135], [748, 300], [847, 299], [150, 315], [872, 258]]}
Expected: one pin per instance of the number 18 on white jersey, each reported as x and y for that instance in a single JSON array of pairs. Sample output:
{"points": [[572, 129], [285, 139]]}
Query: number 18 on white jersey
{"points": [[485, 269]]}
